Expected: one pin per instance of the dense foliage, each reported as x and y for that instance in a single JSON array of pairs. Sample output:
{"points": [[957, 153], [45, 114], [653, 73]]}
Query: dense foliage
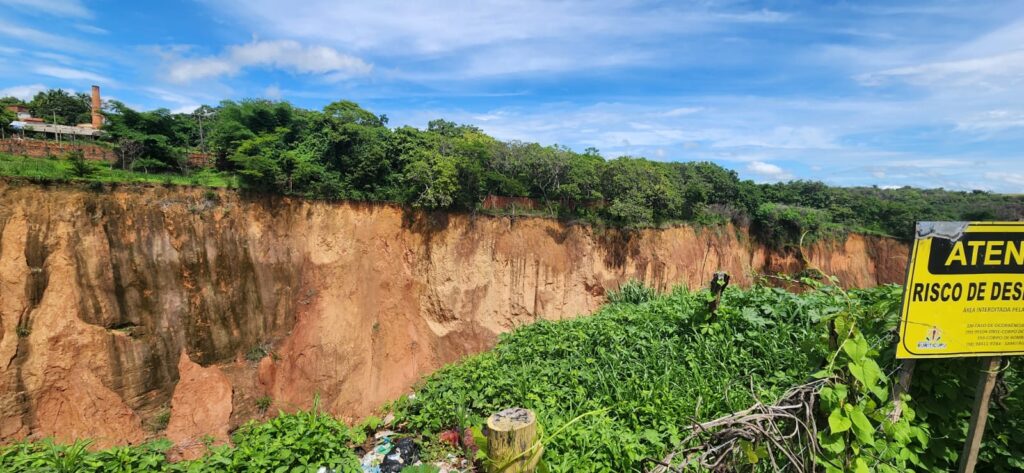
{"points": [[346, 152], [293, 443], [641, 373]]}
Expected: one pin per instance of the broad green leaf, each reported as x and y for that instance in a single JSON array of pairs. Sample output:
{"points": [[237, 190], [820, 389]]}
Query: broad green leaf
{"points": [[838, 422], [862, 426]]}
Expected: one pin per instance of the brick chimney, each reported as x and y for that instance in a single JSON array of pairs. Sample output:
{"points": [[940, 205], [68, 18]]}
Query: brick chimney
{"points": [[97, 118]]}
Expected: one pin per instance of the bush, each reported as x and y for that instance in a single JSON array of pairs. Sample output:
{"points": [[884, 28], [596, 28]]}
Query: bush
{"points": [[780, 225], [303, 441], [256, 353], [633, 292], [80, 168], [263, 403]]}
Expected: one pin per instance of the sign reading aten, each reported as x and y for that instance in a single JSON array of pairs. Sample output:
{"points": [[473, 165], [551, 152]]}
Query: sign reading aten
{"points": [[965, 291]]}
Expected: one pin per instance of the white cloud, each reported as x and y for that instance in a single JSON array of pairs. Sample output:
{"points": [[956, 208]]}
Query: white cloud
{"points": [[68, 73], [678, 112], [768, 171], [91, 29], [433, 26], [992, 120], [31, 35], [65, 8], [998, 71], [22, 92], [1012, 178], [272, 92], [470, 39], [283, 54], [185, 108]]}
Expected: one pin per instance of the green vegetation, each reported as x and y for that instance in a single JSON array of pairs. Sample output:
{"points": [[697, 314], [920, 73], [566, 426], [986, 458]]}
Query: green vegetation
{"points": [[300, 442], [161, 419], [257, 352], [346, 152], [263, 403], [633, 292], [646, 372], [62, 169], [619, 390]]}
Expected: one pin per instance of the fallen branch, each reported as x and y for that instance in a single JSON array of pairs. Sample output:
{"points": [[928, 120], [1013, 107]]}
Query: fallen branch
{"points": [[786, 429]]}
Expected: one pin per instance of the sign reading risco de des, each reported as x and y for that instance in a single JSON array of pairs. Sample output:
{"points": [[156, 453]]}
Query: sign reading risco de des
{"points": [[964, 294]]}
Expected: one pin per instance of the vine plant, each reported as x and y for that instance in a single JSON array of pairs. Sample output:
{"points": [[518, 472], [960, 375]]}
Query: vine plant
{"points": [[861, 436]]}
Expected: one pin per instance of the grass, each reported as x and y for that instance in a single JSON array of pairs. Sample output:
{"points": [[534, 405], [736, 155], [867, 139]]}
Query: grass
{"points": [[59, 169]]}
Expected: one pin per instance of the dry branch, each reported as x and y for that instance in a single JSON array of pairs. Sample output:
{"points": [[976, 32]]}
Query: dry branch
{"points": [[786, 429]]}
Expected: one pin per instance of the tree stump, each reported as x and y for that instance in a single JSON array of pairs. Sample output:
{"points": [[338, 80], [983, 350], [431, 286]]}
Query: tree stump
{"points": [[512, 441]]}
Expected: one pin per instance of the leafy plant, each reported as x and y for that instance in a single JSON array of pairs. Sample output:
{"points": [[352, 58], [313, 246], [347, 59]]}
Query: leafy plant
{"points": [[263, 403], [861, 437], [647, 370], [257, 352], [632, 292], [79, 166], [67, 459]]}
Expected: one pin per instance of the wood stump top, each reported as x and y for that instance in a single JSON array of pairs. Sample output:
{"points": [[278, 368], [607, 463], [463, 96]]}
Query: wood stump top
{"points": [[511, 419]]}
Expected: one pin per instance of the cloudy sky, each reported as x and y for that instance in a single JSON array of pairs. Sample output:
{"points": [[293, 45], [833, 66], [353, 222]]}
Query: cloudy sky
{"points": [[852, 93]]}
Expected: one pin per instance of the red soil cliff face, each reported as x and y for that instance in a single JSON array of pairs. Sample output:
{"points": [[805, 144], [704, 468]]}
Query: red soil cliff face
{"points": [[120, 304]]}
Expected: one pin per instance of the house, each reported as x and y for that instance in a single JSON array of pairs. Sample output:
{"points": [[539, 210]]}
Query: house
{"points": [[23, 114]]}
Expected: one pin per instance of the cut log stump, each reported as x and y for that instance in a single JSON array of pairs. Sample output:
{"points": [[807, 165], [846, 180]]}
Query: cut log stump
{"points": [[512, 441]]}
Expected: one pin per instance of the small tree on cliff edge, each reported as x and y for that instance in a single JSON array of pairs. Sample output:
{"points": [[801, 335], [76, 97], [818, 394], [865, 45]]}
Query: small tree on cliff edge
{"points": [[79, 166]]}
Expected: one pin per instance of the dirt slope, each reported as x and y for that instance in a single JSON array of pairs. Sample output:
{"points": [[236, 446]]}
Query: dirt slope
{"points": [[109, 298]]}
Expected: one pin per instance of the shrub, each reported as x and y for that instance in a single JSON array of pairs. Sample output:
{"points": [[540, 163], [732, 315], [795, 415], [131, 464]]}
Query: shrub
{"points": [[304, 441], [161, 419], [263, 403], [80, 168], [633, 292], [781, 225], [257, 352]]}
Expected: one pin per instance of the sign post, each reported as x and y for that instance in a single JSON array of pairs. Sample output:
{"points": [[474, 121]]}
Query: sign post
{"points": [[979, 414], [964, 297]]}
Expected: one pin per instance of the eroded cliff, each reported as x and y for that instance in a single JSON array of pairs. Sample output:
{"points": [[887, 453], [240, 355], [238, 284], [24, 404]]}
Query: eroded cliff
{"points": [[123, 310]]}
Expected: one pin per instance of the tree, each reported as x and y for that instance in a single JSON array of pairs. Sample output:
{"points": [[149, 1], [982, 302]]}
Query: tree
{"points": [[260, 164], [5, 101], [128, 150], [640, 192], [347, 111], [67, 108], [583, 179], [6, 117], [204, 113], [432, 179], [79, 166], [353, 143]]}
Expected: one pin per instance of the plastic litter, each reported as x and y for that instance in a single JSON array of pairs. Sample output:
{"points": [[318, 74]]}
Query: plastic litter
{"points": [[390, 456], [406, 453], [373, 459]]}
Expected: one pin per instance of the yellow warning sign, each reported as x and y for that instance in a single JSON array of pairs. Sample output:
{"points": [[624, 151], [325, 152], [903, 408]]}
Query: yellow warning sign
{"points": [[964, 294]]}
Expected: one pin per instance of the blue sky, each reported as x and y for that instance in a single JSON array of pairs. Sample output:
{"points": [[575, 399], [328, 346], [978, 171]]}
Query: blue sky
{"points": [[884, 93]]}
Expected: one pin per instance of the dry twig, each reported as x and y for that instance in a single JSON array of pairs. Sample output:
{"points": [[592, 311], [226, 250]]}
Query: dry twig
{"points": [[786, 429]]}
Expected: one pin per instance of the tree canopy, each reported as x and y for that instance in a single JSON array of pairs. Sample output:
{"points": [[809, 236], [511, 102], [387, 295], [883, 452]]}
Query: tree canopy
{"points": [[344, 151]]}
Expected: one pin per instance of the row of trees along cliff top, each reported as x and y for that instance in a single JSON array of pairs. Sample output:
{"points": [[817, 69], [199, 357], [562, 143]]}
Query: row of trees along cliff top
{"points": [[347, 152]]}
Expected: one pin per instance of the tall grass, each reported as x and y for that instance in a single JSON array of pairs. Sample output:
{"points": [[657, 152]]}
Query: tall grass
{"points": [[59, 169]]}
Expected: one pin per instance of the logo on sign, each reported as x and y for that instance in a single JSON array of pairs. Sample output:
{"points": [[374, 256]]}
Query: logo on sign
{"points": [[932, 340]]}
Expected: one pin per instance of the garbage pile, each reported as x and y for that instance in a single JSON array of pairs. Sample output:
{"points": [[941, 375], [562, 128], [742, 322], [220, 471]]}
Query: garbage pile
{"points": [[390, 456]]}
